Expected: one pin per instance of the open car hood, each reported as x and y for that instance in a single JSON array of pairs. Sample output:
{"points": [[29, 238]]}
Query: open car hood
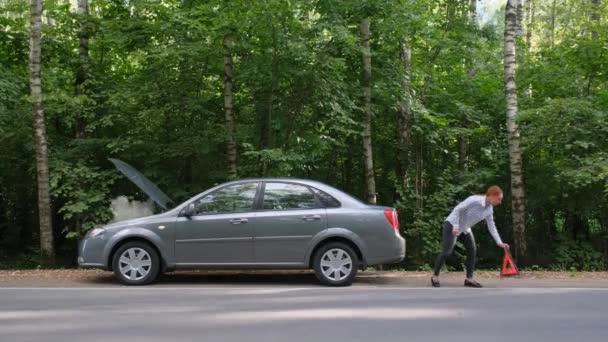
{"points": [[143, 183]]}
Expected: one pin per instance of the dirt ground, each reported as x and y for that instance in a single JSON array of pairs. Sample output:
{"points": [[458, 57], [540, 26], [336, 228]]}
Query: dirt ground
{"points": [[80, 277]]}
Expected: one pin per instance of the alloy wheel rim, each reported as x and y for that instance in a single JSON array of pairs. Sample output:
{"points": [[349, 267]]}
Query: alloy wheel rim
{"points": [[135, 263], [336, 264]]}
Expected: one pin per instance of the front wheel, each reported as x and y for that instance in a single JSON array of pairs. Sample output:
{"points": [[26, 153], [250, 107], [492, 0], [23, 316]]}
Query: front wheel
{"points": [[136, 263], [336, 264]]}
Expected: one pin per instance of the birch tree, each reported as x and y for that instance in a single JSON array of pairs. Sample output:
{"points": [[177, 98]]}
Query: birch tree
{"points": [[228, 106], [405, 112], [40, 139], [82, 71], [514, 138], [366, 77]]}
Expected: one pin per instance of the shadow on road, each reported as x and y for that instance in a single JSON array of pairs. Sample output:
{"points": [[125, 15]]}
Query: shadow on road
{"points": [[223, 278]]}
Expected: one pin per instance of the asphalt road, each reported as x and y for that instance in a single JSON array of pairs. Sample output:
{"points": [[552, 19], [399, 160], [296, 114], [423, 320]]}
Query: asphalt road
{"points": [[302, 313]]}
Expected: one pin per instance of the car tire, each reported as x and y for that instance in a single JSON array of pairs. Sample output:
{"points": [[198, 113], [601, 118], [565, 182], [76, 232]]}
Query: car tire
{"points": [[136, 263], [330, 262]]}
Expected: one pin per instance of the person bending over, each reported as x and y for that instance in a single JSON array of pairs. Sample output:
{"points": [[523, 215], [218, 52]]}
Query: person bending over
{"points": [[458, 225]]}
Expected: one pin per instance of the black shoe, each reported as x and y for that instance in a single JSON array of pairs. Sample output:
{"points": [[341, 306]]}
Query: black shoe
{"points": [[435, 283], [472, 284]]}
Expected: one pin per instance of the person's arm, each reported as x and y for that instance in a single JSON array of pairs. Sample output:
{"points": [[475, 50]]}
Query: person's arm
{"points": [[493, 231], [458, 209]]}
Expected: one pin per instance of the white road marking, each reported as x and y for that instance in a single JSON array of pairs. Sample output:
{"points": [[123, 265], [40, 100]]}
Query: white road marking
{"points": [[28, 314], [332, 314]]}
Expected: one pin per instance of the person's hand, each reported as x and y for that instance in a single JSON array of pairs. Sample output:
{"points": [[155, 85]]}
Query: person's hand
{"points": [[455, 231], [504, 246]]}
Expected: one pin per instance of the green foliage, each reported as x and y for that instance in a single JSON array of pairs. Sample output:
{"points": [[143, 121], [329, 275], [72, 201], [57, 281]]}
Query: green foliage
{"points": [[82, 193], [154, 97], [27, 259], [577, 255]]}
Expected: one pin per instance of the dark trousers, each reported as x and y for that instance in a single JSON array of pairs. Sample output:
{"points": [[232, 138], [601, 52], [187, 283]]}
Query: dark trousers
{"points": [[449, 241]]}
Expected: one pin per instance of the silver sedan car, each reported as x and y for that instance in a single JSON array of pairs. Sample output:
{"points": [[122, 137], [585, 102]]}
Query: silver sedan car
{"points": [[266, 223]]}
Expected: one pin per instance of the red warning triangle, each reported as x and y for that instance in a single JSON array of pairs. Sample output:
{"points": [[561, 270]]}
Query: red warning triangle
{"points": [[508, 266]]}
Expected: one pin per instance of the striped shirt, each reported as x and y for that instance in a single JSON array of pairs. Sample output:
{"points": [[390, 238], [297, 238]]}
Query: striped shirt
{"points": [[470, 212]]}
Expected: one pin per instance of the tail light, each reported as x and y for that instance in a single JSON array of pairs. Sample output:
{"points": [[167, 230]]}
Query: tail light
{"points": [[391, 217]]}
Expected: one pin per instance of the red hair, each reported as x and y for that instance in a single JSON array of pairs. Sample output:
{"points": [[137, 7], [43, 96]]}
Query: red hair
{"points": [[494, 190]]}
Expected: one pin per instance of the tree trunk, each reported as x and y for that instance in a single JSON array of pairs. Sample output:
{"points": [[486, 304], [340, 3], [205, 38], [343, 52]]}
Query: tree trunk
{"points": [[405, 115], [515, 155], [274, 86], [577, 225], [450, 12], [349, 180], [462, 140], [228, 105], [462, 153], [82, 72], [595, 19], [473, 11], [266, 134], [370, 184], [553, 23], [529, 19], [419, 188], [47, 251], [520, 18]]}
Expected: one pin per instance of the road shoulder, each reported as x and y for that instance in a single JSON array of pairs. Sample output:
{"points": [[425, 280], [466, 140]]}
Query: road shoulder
{"points": [[98, 278]]}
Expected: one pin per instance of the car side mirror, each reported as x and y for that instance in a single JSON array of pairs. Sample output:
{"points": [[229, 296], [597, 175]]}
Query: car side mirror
{"points": [[189, 210]]}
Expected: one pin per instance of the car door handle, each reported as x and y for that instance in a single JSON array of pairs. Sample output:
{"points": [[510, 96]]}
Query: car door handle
{"points": [[311, 217], [239, 221]]}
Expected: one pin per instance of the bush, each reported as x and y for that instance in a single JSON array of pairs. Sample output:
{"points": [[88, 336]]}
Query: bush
{"points": [[83, 193], [577, 255]]}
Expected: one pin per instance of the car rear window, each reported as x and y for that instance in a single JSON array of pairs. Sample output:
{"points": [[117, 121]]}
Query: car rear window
{"points": [[326, 199], [283, 196]]}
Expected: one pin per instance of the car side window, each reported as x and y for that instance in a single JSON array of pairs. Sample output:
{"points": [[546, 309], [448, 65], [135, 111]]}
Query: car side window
{"points": [[284, 196], [326, 199], [231, 199]]}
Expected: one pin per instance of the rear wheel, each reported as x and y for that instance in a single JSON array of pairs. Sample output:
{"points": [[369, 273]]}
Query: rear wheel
{"points": [[336, 264], [136, 263]]}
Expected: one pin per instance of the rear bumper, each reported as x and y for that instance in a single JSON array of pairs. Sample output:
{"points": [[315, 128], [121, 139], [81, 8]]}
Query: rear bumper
{"points": [[396, 255]]}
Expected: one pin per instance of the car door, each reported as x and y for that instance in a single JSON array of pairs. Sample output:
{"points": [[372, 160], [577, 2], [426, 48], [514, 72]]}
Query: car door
{"points": [[220, 229], [288, 217]]}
